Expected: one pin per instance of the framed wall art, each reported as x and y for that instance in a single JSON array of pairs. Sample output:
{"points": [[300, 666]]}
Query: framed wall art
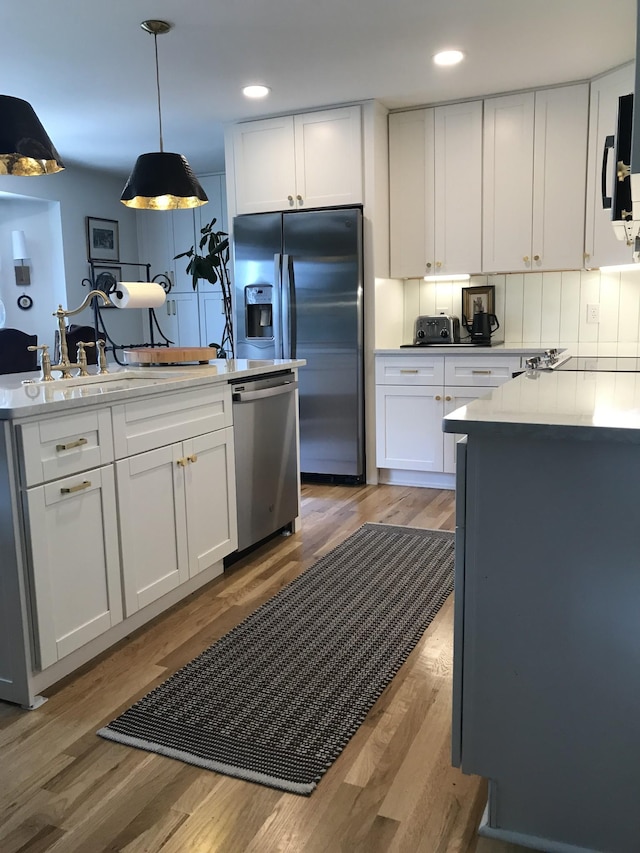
{"points": [[476, 299], [103, 239]]}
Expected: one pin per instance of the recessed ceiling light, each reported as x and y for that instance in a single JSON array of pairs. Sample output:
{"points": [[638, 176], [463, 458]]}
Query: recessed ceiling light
{"points": [[448, 57], [256, 91]]}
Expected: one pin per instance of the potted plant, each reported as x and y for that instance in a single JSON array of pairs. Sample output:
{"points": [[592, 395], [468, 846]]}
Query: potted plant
{"points": [[213, 266]]}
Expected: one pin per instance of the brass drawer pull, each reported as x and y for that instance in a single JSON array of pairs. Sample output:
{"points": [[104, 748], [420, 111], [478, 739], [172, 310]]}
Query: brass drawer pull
{"points": [[71, 444], [448, 398], [409, 371], [68, 490], [481, 373], [181, 462], [192, 458], [437, 397]]}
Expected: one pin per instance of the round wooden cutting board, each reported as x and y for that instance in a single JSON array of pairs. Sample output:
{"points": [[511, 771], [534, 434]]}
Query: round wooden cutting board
{"points": [[169, 355]]}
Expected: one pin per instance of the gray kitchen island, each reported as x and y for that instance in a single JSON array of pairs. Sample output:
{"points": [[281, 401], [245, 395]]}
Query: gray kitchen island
{"points": [[547, 609]]}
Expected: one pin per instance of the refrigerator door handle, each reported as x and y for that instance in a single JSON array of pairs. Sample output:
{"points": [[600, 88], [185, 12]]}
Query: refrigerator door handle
{"points": [[293, 318], [286, 317], [277, 308]]}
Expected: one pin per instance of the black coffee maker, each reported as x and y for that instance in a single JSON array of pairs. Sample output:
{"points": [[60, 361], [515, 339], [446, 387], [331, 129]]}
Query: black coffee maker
{"points": [[481, 328]]}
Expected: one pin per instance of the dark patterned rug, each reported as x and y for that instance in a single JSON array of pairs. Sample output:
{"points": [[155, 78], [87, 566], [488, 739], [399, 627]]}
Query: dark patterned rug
{"points": [[277, 699]]}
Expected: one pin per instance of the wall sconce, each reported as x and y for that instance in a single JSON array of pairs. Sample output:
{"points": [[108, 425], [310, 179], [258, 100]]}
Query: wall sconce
{"points": [[20, 254]]}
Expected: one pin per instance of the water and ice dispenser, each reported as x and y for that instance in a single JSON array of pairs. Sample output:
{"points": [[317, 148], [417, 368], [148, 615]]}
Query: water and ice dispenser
{"points": [[258, 302]]}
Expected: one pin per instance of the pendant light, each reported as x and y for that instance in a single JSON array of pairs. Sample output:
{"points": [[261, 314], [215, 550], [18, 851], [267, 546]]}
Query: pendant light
{"points": [[25, 148], [160, 180]]}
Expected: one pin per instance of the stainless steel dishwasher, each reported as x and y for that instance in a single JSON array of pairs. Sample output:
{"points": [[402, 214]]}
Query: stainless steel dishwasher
{"points": [[264, 427]]}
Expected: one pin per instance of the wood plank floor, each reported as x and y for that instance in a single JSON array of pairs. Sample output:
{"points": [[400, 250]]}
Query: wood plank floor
{"points": [[65, 790]]}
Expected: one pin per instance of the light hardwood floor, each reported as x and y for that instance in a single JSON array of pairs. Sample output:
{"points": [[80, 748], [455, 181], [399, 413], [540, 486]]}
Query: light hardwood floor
{"points": [[65, 790]]}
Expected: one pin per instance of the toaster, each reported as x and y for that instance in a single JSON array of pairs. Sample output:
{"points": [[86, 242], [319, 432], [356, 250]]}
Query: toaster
{"points": [[439, 329]]}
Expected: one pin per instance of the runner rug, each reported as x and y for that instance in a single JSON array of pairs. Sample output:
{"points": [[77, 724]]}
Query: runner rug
{"points": [[277, 699]]}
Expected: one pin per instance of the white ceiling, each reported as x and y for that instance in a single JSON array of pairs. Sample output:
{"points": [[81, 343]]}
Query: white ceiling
{"points": [[88, 69]]}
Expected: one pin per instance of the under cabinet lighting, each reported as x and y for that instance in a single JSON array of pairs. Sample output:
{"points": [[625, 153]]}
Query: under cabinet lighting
{"points": [[620, 268], [463, 276]]}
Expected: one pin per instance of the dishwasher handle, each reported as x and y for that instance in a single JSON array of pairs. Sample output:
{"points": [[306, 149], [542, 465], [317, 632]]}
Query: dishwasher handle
{"points": [[274, 391]]}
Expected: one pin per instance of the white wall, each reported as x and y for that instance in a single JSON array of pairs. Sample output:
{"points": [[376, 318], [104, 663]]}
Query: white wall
{"points": [[544, 309], [53, 211]]}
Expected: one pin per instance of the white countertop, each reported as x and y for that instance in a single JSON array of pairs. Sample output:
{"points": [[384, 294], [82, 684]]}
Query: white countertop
{"points": [[586, 406], [20, 398], [451, 349]]}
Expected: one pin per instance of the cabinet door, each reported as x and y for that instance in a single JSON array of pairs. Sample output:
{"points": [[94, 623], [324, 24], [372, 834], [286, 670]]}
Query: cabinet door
{"points": [[455, 398], [560, 161], [215, 188], [508, 183], [73, 530], [183, 237], [409, 427], [179, 319], [211, 311], [155, 242], [457, 222], [328, 158], [601, 245], [265, 173], [153, 525], [212, 530], [411, 187]]}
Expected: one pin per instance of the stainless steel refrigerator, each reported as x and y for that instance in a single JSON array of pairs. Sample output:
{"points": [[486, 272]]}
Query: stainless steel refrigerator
{"points": [[298, 294]]}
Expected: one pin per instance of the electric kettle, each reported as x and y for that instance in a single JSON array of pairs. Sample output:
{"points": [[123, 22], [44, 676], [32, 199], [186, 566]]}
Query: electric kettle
{"points": [[482, 327]]}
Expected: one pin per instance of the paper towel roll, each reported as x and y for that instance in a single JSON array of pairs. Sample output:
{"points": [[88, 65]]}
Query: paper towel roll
{"points": [[138, 294]]}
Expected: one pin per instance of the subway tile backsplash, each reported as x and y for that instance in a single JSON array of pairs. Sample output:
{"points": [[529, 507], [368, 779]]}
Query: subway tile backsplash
{"points": [[544, 308]]}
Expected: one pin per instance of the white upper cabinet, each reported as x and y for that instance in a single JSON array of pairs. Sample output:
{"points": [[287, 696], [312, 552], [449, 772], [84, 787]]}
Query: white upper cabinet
{"points": [[601, 245], [301, 161], [535, 150], [436, 190]]}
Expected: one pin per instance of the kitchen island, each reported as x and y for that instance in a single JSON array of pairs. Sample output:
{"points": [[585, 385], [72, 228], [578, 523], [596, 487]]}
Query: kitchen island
{"points": [[118, 499], [547, 597]]}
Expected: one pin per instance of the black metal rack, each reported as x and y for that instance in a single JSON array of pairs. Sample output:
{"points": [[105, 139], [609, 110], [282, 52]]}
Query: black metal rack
{"points": [[108, 284]]}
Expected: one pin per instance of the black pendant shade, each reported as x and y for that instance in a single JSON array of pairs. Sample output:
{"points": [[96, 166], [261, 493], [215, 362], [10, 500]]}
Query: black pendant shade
{"points": [[25, 148], [162, 181]]}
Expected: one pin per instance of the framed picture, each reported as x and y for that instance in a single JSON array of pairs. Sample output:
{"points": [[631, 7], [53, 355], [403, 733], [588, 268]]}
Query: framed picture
{"points": [[475, 299], [106, 279], [103, 240]]}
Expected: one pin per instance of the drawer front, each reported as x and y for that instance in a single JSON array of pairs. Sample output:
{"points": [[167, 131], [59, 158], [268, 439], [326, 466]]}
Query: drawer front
{"points": [[479, 370], [164, 419], [59, 447], [410, 370]]}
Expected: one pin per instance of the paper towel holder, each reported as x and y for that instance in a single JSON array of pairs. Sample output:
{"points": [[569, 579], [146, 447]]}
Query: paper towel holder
{"points": [[98, 318]]}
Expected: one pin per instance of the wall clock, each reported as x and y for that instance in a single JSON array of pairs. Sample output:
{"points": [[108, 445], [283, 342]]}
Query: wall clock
{"points": [[25, 302]]}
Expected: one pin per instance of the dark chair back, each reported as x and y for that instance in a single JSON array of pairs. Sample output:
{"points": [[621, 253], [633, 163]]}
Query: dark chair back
{"points": [[75, 334], [14, 355]]}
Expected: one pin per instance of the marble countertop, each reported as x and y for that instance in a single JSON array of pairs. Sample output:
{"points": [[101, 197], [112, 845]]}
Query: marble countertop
{"points": [[23, 394], [561, 405]]}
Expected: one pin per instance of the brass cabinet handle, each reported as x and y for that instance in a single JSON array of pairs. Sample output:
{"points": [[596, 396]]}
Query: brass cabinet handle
{"points": [[448, 398], [68, 490], [481, 373], [536, 257], [437, 397], [299, 197], [290, 200], [526, 259], [181, 462], [428, 265], [438, 264], [192, 458], [78, 443], [413, 370]]}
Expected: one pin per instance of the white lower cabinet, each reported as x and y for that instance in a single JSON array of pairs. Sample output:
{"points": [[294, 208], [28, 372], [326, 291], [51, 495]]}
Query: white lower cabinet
{"points": [[72, 529], [177, 514], [413, 394]]}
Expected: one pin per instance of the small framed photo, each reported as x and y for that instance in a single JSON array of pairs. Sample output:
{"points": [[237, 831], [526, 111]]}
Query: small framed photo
{"points": [[476, 299], [106, 279], [103, 239]]}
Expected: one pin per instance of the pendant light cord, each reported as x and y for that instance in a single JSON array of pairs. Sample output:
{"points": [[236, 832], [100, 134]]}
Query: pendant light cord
{"points": [[155, 41]]}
